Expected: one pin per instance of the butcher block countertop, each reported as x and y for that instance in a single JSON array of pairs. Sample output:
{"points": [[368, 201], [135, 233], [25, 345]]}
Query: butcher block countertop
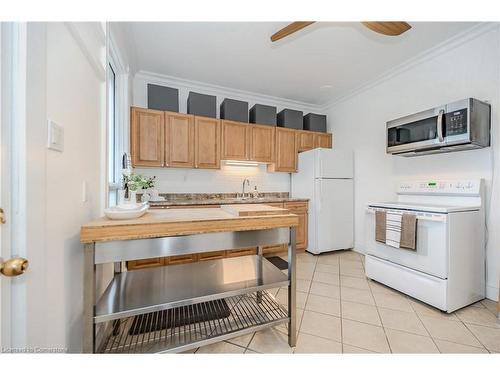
{"points": [[172, 222]]}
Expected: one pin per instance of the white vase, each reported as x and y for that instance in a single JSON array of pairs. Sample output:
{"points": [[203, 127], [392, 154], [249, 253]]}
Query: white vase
{"points": [[121, 196]]}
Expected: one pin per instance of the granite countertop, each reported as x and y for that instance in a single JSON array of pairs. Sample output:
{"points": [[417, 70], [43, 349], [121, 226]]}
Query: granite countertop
{"points": [[180, 199]]}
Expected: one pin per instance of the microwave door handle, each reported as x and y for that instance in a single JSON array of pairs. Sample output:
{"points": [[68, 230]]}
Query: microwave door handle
{"points": [[440, 125]]}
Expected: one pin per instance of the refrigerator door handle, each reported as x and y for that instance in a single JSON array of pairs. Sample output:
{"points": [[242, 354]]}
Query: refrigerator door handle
{"points": [[320, 195]]}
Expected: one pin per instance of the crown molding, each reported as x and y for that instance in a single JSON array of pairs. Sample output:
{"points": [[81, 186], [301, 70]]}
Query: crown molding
{"points": [[439, 49], [225, 91], [76, 32]]}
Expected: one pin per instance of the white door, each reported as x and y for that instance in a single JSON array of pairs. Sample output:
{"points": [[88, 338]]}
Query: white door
{"points": [[335, 214], [18, 308]]}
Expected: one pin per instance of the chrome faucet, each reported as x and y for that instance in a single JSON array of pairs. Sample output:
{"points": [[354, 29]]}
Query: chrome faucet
{"points": [[247, 181]]}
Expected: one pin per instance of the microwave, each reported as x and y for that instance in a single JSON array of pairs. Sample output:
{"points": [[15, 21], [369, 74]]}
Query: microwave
{"points": [[461, 125]]}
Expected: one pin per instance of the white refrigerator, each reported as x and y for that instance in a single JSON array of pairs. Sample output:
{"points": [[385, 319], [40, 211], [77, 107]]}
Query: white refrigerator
{"points": [[325, 177]]}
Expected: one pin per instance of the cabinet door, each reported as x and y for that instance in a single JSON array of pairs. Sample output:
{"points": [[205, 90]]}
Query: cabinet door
{"points": [[262, 143], [146, 137], [241, 252], [323, 140], [286, 151], [212, 255], [275, 249], [145, 263], [181, 259], [235, 140], [301, 210], [305, 140], [301, 234], [179, 140], [207, 142]]}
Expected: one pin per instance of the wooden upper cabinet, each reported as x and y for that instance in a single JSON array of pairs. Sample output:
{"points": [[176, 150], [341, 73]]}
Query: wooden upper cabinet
{"points": [[146, 133], [207, 139], [262, 143], [305, 140], [323, 140], [179, 140], [286, 151], [235, 140]]}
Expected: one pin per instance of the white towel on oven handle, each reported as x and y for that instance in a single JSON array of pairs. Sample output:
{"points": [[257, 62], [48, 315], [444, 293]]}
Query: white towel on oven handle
{"points": [[393, 228]]}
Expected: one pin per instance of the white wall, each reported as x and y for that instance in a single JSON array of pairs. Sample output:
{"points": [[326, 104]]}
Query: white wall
{"points": [[65, 83], [226, 180], [75, 100], [468, 69], [229, 178]]}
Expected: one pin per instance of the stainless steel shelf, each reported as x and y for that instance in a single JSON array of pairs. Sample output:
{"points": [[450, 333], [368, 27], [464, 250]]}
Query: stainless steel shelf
{"points": [[248, 313], [150, 290]]}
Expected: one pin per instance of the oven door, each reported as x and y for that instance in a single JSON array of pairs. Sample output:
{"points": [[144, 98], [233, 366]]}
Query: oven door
{"points": [[431, 255], [423, 130]]}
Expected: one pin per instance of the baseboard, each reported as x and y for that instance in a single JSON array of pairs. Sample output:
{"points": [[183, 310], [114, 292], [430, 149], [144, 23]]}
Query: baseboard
{"points": [[359, 251], [492, 292]]}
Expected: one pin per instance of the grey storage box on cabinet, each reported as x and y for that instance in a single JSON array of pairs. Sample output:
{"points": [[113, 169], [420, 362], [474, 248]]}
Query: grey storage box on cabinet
{"points": [[163, 98], [263, 114], [234, 110], [315, 122], [202, 105], [291, 119]]}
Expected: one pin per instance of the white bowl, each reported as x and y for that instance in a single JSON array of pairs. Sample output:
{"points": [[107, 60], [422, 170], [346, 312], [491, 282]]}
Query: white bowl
{"points": [[130, 206], [115, 213]]}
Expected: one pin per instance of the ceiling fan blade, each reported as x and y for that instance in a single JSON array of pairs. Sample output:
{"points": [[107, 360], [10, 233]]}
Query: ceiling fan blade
{"points": [[388, 28], [290, 29]]}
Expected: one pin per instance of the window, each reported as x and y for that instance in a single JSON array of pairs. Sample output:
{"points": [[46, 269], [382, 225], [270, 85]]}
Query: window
{"points": [[113, 180], [118, 99]]}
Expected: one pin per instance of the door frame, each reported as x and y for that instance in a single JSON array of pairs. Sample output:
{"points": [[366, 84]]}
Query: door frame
{"points": [[2, 171], [10, 84]]}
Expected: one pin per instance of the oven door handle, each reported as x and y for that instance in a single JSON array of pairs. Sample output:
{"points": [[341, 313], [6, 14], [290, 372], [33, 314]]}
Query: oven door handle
{"points": [[420, 216], [440, 125]]}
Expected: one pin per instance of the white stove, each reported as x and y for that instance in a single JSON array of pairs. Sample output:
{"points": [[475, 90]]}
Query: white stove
{"points": [[447, 269], [424, 207]]}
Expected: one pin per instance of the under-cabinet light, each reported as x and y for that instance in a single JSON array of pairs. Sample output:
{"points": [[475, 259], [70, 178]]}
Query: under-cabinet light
{"points": [[239, 163]]}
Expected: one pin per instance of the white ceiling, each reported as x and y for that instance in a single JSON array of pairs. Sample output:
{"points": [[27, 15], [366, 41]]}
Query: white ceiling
{"points": [[324, 61]]}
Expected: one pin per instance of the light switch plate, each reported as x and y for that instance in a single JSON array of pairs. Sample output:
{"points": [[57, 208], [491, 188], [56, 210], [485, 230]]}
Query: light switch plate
{"points": [[55, 136]]}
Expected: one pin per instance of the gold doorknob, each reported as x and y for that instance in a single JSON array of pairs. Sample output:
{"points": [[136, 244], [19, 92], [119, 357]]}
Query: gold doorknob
{"points": [[14, 267]]}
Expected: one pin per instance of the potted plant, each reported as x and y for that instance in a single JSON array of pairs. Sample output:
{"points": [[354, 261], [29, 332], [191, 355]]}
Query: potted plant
{"points": [[133, 182]]}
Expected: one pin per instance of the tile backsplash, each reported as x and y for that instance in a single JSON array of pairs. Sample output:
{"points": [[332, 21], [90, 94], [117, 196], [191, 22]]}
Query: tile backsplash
{"points": [[226, 180]]}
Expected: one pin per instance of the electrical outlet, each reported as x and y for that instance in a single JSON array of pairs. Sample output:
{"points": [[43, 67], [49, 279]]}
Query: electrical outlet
{"points": [[55, 136]]}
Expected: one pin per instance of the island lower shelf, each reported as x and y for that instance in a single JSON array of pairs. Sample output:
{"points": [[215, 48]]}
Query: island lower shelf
{"points": [[179, 329], [151, 290]]}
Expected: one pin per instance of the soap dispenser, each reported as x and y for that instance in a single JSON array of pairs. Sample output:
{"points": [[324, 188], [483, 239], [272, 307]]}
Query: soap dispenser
{"points": [[255, 193]]}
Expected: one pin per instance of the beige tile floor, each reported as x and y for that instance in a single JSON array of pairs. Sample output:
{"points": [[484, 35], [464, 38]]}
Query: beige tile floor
{"points": [[340, 311]]}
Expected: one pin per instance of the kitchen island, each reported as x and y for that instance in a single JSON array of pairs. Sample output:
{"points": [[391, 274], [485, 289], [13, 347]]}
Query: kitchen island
{"points": [[177, 308]]}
